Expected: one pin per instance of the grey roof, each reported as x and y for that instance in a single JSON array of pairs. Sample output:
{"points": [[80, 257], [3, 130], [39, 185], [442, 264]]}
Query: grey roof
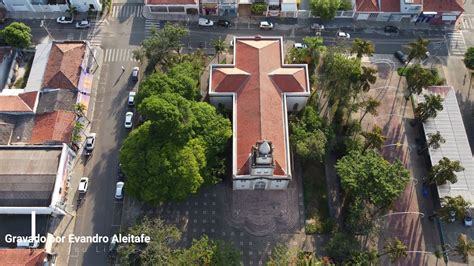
{"points": [[450, 125], [55, 100], [35, 79], [27, 175], [20, 225], [20, 127]]}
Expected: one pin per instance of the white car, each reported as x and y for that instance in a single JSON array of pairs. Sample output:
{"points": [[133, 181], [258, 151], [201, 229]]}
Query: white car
{"points": [[317, 27], [342, 35], [135, 72], [83, 185], [128, 119], [266, 25], [83, 24], [299, 45], [131, 98], [205, 22], [64, 20], [119, 190], [90, 141]]}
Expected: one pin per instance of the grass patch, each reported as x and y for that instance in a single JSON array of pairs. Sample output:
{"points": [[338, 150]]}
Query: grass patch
{"points": [[318, 220], [21, 82]]}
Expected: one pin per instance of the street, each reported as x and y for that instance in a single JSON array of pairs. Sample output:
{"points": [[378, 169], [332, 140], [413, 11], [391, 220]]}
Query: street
{"points": [[118, 36]]}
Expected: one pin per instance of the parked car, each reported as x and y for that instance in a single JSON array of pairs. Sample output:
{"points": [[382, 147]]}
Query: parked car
{"points": [[83, 24], [342, 35], [205, 22], [402, 57], [119, 190], [266, 25], [131, 98], [128, 120], [390, 29], [83, 185], [468, 219], [223, 23], [317, 27], [64, 20], [90, 141], [135, 72], [299, 45]]}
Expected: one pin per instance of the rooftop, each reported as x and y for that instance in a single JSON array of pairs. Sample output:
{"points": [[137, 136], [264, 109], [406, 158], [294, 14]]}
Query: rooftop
{"points": [[22, 257], [171, 2], [56, 100], [16, 128], [378, 5], [27, 175], [63, 69], [16, 102], [19, 225], [443, 5], [54, 126], [450, 125], [259, 80]]}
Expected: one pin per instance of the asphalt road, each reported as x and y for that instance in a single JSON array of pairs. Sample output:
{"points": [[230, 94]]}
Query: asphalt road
{"points": [[101, 213]]}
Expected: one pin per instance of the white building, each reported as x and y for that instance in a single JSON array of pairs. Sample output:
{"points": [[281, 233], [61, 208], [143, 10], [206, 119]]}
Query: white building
{"points": [[51, 5], [260, 90]]}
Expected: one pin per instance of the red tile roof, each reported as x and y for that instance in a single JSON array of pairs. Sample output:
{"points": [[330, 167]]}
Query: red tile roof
{"points": [[367, 5], [64, 65], [55, 126], [443, 5], [390, 5], [24, 102], [22, 257], [171, 2], [259, 80]]}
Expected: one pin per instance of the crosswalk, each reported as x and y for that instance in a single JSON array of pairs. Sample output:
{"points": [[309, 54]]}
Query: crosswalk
{"points": [[119, 55], [151, 24], [456, 43], [95, 34], [467, 22], [123, 11]]}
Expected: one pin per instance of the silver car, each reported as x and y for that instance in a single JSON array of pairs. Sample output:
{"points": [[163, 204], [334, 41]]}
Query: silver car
{"points": [[119, 190]]}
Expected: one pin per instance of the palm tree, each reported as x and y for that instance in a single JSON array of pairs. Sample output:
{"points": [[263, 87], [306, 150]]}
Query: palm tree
{"points": [[457, 204], [72, 10], [419, 78], [444, 171], [367, 77], [314, 48], [361, 47], [370, 106], [395, 248], [464, 247], [374, 139], [417, 49], [219, 46], [435, 140], [80, 108], [429, 108]]}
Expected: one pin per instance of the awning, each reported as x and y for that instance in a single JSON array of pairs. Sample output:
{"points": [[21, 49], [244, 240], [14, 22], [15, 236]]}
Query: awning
{"points": [[274, 2], [363, 16], [244, 2], [430, 13], [449, 18], [289, 6]]}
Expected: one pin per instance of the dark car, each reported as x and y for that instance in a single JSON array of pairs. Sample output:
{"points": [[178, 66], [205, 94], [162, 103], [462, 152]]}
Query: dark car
{"points": [[403, 58], [391, 29], [223, 23]]}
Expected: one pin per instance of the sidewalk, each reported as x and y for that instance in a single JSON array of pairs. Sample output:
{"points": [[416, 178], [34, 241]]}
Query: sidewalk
{"points": [[35, 15], [64, 225]]}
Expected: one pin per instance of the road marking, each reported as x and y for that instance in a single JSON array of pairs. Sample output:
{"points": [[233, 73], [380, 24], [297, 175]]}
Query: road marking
{"points": [[125, 11], [119, 55]]}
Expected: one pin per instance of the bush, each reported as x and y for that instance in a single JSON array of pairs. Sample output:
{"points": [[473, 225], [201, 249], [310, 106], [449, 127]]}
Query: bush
{"points": [[402, 71], [345, 5], [258, 8]]}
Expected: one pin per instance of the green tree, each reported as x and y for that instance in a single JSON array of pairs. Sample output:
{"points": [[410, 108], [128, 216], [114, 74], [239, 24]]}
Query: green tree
{"points": [[429, 108], [395, 248], [176, 151], [139, 54], [435, 140], [163, 47], [17, 34], [370, 107], [309, 135], [158, 251], [417, 49], [314, 49], [219, 46], [258, 8], [419, 78], [374, 139], [464, 247], [209, 252], [366, 78], [457, 204], [366, 258], [80, 108], [281, 255], [341, 247], [444, 171], [370, 177], [326, 9], [362, 47], [469, 58], [72, 10]]}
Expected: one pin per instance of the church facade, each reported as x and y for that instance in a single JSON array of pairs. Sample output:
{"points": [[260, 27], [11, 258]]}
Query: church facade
{"points": [[260, 90]]}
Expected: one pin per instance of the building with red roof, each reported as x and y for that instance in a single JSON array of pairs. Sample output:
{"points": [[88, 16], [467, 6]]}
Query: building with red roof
{"points": [[260, 90], [22, 257]]}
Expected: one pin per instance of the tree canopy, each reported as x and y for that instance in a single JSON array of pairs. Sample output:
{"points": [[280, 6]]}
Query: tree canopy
{"points": [[17, 34], [326, 9], [417, 49], [161, 249], [419, 78], [444, 171], [362, 47], [173, 153], [429, 108], [457, 204], [370, 177], [469, 58]]}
